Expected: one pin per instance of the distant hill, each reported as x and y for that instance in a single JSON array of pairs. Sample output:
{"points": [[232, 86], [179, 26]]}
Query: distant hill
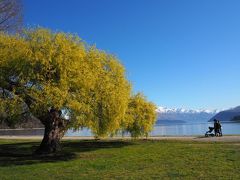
{"points": [[180, 115], [28, 122], [227, 115]]}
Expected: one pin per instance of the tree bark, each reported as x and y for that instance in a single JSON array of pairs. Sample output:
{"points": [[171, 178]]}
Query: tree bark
{"points": [[54, 131]]}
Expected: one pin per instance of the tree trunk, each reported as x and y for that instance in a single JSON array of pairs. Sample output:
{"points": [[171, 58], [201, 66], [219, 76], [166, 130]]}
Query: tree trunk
{"points": [[54, 131]]}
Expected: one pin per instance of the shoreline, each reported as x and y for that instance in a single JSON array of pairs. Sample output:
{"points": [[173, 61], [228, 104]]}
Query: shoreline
{"points": [[226, 138]]}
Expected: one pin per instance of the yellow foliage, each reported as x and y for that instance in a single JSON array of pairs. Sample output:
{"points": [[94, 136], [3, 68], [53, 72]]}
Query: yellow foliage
{"points": [[59, 70], [109, 94], [48, 69], [140, 116]]}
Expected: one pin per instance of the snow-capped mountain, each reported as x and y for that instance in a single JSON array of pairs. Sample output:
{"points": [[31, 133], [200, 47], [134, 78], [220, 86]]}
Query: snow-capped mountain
{"points": [[181, 114], [161, 109]]}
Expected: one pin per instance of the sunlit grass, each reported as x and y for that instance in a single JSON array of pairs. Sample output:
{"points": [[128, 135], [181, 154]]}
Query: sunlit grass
{"points": [[137, 159]]}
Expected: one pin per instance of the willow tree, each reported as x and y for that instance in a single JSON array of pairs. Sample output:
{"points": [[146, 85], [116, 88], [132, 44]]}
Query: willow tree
{"points": [[140, 116], [110, 94], [57, 78]]}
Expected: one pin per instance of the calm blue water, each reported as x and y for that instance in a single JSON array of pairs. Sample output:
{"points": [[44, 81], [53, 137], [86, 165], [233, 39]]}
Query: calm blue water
{"points": [[193, 129], [181, 129]]}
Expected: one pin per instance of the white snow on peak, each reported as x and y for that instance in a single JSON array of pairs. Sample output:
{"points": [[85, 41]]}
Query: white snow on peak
{"points": [[162, 109]]}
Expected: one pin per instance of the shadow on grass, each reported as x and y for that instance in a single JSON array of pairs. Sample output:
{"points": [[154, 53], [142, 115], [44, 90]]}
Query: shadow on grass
{"points": [[22, 153]]}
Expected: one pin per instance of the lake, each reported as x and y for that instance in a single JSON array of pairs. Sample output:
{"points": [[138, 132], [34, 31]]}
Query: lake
{"points": [[167, 128], [163, 128], [185, 129]]}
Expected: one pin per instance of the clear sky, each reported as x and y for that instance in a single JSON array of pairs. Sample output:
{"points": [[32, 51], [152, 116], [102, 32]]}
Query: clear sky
{"points": [[179, 53]]}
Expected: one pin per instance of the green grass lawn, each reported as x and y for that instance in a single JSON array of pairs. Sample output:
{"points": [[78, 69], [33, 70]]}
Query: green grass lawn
{"points": [[128, 159]]}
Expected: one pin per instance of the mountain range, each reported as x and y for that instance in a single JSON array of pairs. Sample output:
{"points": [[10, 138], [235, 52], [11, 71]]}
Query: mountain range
{"points": [[161, 109], [181, 115]]}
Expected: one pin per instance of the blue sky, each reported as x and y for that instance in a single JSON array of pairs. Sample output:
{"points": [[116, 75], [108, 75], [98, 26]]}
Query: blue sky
{"points": [[179, 53]]}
